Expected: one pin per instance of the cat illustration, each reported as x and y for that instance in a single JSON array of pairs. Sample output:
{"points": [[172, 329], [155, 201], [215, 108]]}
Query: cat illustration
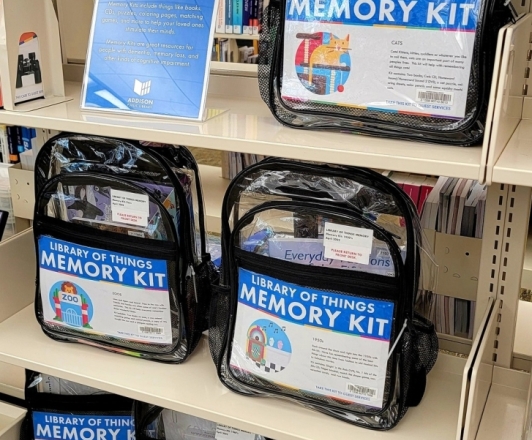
{"points": [[328, 54]]}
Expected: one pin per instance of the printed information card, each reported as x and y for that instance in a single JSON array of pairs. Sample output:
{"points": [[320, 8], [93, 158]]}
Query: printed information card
{"points": [[400, 56], [150, 57], [322, 342], [102, 292]]}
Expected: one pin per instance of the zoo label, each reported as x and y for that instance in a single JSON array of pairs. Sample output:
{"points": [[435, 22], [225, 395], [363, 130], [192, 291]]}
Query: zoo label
{"points": [[101, 292]]}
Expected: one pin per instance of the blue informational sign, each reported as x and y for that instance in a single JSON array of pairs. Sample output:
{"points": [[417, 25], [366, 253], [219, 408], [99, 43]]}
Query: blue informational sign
{"points": [[53, 426], [150, 57]]}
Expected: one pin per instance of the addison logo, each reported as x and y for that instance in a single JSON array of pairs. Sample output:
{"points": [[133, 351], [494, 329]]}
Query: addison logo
{"points": [[142, 88]]}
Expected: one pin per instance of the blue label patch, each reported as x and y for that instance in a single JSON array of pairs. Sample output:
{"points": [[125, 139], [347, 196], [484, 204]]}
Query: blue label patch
{"points": [[369, 318], [58, 426], [448, 15], [100, 265]]}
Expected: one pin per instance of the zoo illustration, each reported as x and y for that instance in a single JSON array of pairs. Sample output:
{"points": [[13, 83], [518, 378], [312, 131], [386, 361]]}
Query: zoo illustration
{"points": [[268, 346], [71, 304], [323, 62]]}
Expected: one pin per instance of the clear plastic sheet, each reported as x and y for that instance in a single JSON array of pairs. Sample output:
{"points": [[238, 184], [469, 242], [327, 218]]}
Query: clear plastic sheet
{"points": [[179, 426], [285, 236], [188, 167], [391, 70], [48, 384], [90, 205], [116, 157]]}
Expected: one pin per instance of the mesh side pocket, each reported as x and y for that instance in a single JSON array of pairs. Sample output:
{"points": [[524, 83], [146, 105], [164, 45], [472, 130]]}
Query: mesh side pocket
{"points": [[218, 321], [269, 28], [426, 343], [206, 277], [419, 353]]}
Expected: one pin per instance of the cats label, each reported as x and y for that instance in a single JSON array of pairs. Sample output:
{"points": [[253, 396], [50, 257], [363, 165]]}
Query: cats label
{"points": [[409, 57]]}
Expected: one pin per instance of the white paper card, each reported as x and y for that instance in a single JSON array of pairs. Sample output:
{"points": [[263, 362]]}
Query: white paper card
{"points": [[347, 243], [130, 208], [224, 432]]}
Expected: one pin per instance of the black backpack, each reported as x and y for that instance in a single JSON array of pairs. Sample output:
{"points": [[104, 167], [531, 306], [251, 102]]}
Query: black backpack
{"points": [[320, 273], [63, 409], [405, 96], [120, 234]]}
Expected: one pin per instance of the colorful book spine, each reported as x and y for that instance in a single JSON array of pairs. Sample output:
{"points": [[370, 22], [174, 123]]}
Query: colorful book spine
{"points": [[34, 140], [20, 142], [247, 25], [253, 14], [258, 21], [237, 16], [4, 145], [220, 18], [423, 195], [26, 138], [228, 16], [412, 191], [12, 144]]}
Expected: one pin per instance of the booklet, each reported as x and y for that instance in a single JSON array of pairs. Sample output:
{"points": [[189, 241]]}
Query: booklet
{"points": [[311, 252], [319, 342]]}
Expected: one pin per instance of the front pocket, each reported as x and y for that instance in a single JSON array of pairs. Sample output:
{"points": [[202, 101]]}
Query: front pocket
{"points": [[292, 335], [107, 289], [111, 204]]}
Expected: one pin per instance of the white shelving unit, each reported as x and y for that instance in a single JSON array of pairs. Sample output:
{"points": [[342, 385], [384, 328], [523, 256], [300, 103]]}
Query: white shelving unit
{"points": [[478, 398]]}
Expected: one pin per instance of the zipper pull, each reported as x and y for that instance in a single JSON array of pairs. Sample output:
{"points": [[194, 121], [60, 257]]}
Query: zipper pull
{"points": [[192, 274], [399, 336]]}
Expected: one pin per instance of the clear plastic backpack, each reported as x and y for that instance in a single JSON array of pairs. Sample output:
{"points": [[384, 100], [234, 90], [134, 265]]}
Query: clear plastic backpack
{"points": [[320, 273]]}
